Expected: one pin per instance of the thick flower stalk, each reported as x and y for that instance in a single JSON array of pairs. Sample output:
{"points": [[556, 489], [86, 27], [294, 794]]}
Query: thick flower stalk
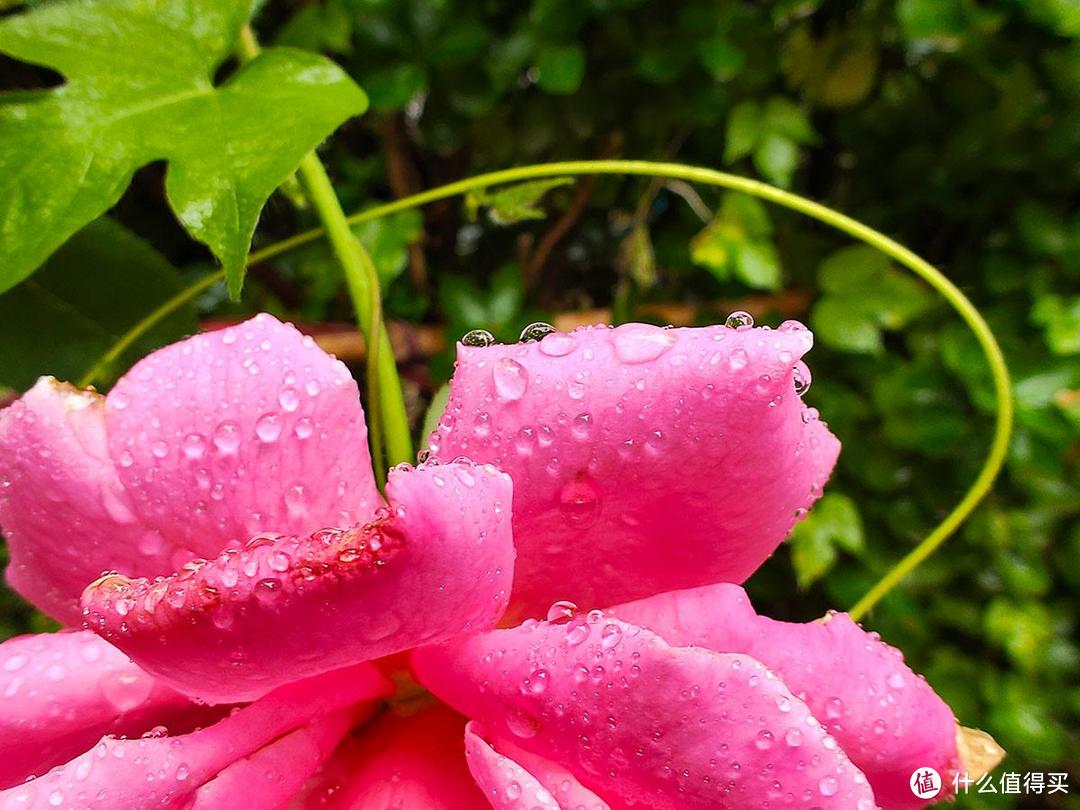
{"points": [[560, 571]]}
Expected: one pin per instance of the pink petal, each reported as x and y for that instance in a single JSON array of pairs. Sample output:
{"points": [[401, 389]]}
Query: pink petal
{"points": [[60, 692], [637, 720], [402, 761], [437, 563], [619, 440], [167, 771], [507, 784], [58, 485], [887, 719], [271, 776], [201, 445], [231, 433]]}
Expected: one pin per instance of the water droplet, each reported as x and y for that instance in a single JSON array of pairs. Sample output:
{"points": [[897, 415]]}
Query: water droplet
{"points": [[522, 724], [511, 378], [278, 561], [182, 772], [738, 359], [535, 331], [478, 337], [582, 426], [561, 612], [576, 633], [295, 494], [834, 709], [828, 786], [896, 681], [579, 503], [304, 428], [536, 683], [557, 345], [15, 663], [793, 738], [268, 428], [159, 449], [640, 342], [739, 320], [611, 636], [764, 740], [127, 690], [227, 437], [289, 400], [193, 445], [800, 374]]}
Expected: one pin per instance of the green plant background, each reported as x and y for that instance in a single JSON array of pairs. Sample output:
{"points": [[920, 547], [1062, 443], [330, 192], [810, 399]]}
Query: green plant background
{"points": [[950, 125]]}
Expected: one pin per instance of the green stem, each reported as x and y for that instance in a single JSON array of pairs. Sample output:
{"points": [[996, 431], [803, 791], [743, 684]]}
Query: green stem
{"points": [[957, 300], [386, 403]]}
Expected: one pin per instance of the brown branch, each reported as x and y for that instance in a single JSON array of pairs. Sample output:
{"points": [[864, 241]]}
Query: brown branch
{"points": [[405, 180], [532, 268]]}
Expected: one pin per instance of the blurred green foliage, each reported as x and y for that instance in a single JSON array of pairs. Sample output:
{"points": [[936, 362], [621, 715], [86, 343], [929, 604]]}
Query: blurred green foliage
{"points": [[950, 124]]}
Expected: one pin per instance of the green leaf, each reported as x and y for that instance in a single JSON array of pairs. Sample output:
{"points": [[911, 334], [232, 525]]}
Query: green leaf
{"points": [[758, 266], [848, 328], [721, 57], [387, 240], [434, 412], [1060, 319], [87, 295], [743, 129], [833, 523], [776, 157], [139, 88], [852, 270], [784, 117], [516, 203], [391, 88], [637, 259], [560, 69]]}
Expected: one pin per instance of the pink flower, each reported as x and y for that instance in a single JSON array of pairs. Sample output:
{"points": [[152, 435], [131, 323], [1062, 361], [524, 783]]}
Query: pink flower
{"points": [[255, 573]]}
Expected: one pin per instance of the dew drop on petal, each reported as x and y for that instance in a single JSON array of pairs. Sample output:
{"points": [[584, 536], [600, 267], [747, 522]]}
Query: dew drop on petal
{"points": [[511, 378], [268, 428], [561, 612], [536, 331], [739, 320], [802, 379], [478, 337], [639, 343]]}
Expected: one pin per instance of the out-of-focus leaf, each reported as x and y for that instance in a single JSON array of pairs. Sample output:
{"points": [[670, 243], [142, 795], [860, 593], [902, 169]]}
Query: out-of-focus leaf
{"points": [[560, 69], [144, 91], [435, 411], [743, 127], [738, 243], [636, 257], [515, 203], [721, 57], [325, 26], [387, 240], [391, 88], [1060, 319], [833, 523], [758, 266], [776, 157], [86, 296]]}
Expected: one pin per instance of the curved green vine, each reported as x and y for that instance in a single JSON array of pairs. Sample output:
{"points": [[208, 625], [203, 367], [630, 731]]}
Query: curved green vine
{"points": [[995, 458]]}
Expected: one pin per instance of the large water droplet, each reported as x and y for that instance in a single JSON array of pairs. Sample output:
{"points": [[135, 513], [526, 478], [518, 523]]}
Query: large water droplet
{"points": [[289, 400], [739, 320], [478, 337], [193, 445], [522, 724], [579, 503], [828, 786], [640, 342], [227, 437], [561, 612], [536, 331], [511, 378], [557, 345], [127, 690], [268, 428], [801, 376]]}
